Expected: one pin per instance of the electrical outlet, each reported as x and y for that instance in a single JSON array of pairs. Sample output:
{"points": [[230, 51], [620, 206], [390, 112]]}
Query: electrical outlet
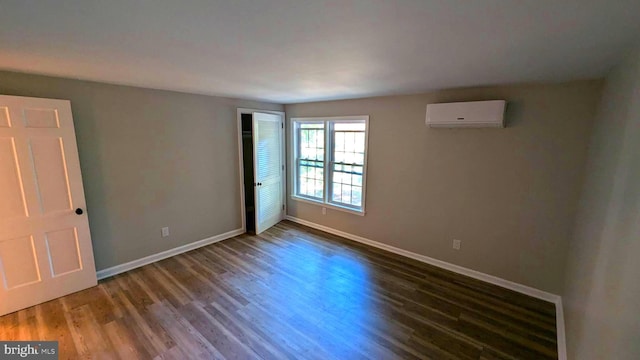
{"points": [[456, 244], [324, 211], [165, 231]]}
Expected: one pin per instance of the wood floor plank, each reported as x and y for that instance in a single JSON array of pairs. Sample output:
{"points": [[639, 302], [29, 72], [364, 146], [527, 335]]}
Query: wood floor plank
{"points": [[53, 326], [216, 334], [190, 341], [124, 341], [88, 336], [291, 292]]}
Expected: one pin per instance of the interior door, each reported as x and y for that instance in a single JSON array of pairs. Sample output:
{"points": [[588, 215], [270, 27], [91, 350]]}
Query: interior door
{"points": [[45, 245], [268, 169]]}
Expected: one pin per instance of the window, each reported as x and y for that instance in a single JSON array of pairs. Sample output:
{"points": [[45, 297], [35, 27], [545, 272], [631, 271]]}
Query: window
{"points": [[329, 160]]}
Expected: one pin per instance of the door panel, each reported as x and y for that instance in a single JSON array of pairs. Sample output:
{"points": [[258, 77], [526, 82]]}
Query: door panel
{"points": [[41, 118], [63, 251], [267, 149], [20, 254], [45, 247], [51, 176], [4, 117], [13, 203]]}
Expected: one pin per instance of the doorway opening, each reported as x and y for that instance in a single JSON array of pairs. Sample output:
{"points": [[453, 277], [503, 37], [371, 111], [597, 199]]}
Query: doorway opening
{"points": [[262, 168], [247, 170]]}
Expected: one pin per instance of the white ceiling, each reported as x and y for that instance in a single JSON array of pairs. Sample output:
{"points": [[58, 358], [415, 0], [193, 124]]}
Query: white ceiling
{"points": [[302, 50]]}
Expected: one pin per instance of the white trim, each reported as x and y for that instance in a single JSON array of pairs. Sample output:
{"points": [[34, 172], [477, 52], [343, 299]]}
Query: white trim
{"points": [[523, 289], [326, 205], [330, 118], [118, 269], [560, 330], [239, 112]]}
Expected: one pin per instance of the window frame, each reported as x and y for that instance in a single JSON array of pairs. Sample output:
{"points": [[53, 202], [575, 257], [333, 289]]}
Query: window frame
{"points": [[327, 161]]}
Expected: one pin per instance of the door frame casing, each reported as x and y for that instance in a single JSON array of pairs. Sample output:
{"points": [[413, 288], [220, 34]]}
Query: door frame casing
{"points": [[283, 148]]}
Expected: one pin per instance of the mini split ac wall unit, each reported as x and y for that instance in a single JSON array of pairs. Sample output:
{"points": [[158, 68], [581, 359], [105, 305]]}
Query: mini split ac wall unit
{"points": [[467, 114]]}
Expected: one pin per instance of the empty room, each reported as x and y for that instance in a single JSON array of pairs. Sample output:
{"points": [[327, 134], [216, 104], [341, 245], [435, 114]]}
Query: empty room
{"points": [[313, 179]]}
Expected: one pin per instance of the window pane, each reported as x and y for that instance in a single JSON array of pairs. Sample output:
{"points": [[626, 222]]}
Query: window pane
{"points": [[347, 184], [339, 141], [359, 142], [349, 141], [346, 194], [310, 157], [349, 126], [350, 158], [357, 180], [317, 191], [303, 187], [356, 196], [337, 191], [348, 162], [311, 144]]}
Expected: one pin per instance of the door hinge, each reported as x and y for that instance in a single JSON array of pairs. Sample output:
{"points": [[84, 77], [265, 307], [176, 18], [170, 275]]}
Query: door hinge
{"points": [[282, 167], [282, 207], [282, 125]]}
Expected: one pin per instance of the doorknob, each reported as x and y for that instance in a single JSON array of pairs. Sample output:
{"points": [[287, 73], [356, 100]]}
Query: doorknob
{"points": [[79, 211]]}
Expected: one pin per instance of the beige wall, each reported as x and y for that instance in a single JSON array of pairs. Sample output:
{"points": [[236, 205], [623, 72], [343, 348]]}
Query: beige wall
{"points": [[509, 194], [149, 159], [602, 289]]}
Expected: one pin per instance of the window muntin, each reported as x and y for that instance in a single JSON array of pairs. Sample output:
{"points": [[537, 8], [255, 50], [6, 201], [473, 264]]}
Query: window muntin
{"points": [[330, 161]]}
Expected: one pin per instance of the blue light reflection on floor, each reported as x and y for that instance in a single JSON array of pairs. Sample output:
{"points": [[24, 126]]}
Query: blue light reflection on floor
{"points": [[312, 277]]}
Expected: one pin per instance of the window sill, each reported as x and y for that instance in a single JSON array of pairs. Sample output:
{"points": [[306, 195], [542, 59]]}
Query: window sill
{"points": [[329, 206]]}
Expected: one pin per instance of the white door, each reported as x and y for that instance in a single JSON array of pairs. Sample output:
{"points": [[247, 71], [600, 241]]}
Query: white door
{"points": [[45, 245], [268, 169]]}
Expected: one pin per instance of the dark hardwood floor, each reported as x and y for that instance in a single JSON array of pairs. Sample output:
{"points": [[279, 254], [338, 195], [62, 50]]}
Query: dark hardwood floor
{"points": [[291, 293]]}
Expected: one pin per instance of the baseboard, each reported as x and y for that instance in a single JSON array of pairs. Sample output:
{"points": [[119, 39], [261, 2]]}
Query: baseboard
{"points": [[523, 289], [115, 270]]}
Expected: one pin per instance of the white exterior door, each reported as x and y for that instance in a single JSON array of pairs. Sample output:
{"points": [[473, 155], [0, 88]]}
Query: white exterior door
{"points": [[45, 245], [268, 169]]}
